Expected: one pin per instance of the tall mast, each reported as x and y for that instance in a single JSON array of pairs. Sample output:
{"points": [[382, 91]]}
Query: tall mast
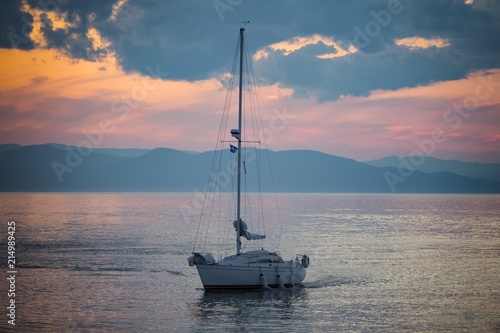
{"points": [[238, 205]]}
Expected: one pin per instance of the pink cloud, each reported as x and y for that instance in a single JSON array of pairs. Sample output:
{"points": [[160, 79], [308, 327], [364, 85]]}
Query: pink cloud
{"points": [[57, 100]]}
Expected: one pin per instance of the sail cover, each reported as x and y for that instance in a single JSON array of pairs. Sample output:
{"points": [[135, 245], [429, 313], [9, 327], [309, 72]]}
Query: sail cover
{"points": [[244, 231]]}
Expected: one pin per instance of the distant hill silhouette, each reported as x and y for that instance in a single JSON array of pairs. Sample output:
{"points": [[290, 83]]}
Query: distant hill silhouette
{"points": [[489, 171], [7, 147], [61, 168]]}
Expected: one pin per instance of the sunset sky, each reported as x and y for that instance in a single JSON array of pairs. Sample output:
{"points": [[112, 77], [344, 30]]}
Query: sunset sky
{"points": [[359, 79]]}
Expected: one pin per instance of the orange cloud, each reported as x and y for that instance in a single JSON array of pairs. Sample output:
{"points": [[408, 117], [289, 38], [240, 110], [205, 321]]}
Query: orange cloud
{"points": [[289, 46], [47, 97], [389, 122], [422, 43], [45, 92]]}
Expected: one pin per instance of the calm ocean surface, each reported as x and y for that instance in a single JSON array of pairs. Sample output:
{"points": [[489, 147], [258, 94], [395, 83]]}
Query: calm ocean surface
{"points": [[379, 263]]}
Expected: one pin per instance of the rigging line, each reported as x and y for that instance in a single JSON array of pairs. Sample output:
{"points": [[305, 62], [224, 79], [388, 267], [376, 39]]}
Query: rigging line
{"points": [[261, 202], [210, 196], [227, 102], [252, 92], [224, 121], [219, 218], [256, 116], [222, 130], [249, 219], [275, 197], [220, 234], [230, 88], [250, 104], [258, 162], [251, 87], [264, 143], [230, 199], [230, 212], [216, 189]]}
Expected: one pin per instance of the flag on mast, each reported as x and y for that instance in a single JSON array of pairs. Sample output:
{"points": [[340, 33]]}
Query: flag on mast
{"points": [[233, 148]]}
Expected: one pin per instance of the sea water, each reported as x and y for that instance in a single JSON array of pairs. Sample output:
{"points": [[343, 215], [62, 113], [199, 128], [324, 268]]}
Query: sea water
{"points": [[89, 262]]}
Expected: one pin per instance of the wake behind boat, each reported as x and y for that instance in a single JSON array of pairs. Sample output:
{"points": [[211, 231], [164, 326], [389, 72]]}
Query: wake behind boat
{"points": [[252, 269]]}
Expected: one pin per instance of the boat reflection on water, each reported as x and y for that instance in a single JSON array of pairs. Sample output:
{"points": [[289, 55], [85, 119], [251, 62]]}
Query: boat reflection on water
{"points": [[243, 311]]}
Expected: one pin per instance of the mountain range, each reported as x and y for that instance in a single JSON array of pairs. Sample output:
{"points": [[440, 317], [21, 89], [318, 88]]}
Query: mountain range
{"points": [[490, 171], [60, 168]]}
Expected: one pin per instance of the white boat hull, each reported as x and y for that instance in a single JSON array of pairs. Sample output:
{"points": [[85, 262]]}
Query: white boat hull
{"points": [[251, 276], [249, 270]]}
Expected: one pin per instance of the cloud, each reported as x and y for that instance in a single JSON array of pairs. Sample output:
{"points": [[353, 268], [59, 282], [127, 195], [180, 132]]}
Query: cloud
{"points": [[358, 73], [15, 26], [319, 48], [334, 49], [362, 78], [47, 97], [414, 43], [425, 42]]}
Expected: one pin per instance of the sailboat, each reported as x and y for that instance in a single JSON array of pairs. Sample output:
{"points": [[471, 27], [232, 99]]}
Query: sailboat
{"points": [[254, 269]]}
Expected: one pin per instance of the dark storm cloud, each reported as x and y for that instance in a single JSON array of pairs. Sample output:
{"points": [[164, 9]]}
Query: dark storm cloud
{"points": [[74, 40], [473, 32], [15, 26], [196, 39]]}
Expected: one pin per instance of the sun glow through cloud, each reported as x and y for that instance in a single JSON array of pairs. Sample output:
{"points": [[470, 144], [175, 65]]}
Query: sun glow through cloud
{"points": [[292, 45], [52, 96], [41, 17], [116, 8], [422, 43]]}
